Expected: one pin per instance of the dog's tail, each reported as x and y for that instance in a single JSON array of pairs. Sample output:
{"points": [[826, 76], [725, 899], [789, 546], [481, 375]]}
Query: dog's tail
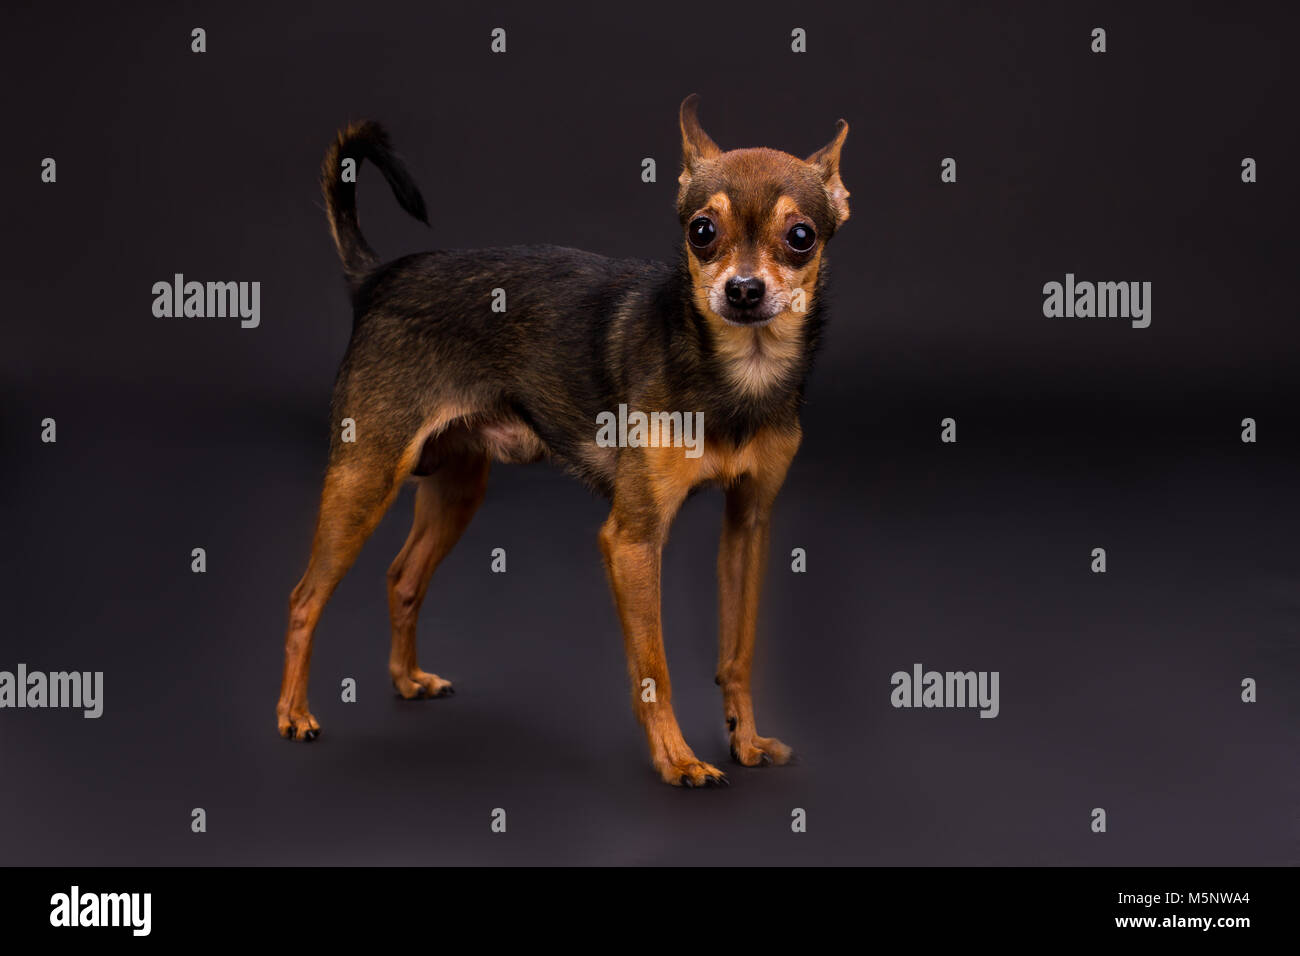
{"points": [[357, 142]]}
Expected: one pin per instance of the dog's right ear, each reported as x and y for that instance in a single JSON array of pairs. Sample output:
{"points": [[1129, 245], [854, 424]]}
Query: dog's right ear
{"points": [[696, 144]]}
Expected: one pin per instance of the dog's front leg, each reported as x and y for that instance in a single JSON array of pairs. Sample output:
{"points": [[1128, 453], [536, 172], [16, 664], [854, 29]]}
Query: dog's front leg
{"points": [[742, 559], [632, 543]]}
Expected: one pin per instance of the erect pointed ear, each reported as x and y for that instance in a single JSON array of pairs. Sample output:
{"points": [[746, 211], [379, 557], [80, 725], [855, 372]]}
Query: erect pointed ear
{"points": [[827, 160], [696, 144]]}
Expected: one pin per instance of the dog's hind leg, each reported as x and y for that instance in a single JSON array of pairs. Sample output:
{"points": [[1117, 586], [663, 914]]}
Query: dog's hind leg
{"points": [[445, 501], [358, 490]]}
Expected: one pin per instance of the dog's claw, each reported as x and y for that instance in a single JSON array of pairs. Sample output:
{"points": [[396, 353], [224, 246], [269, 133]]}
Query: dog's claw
{"points": [[421, 686], [301, 727], [762, 752], [694, 775]]}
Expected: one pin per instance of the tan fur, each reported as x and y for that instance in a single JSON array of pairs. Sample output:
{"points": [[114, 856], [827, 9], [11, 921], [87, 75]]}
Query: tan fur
{"points": [[756, 358], [357, 493], [444, 504], [827, 159], [653, 482], [742, 559]]}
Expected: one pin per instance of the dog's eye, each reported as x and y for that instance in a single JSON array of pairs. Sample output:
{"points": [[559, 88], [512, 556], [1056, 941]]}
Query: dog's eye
{"points": [[701, 232], [801, 237]]}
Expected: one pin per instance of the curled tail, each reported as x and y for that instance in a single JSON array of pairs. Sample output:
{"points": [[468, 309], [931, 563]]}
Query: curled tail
{"points": [[361, 141]]}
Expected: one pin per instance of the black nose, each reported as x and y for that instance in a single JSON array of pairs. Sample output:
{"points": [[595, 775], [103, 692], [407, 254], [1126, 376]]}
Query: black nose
{"points": [[745, 293]]}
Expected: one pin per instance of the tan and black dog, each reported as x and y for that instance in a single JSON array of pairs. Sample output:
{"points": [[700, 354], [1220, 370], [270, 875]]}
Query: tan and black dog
{"points": [[438, 384]]}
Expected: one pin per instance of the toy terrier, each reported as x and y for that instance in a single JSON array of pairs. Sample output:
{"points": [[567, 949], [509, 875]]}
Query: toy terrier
{"points": [[459, 358]]}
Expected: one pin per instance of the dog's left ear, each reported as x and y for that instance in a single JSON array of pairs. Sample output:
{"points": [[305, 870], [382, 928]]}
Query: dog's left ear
{"points": [[827, 161], [697, 146]]}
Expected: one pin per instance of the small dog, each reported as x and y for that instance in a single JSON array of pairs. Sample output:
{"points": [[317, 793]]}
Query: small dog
{"points": [[437, 383]]}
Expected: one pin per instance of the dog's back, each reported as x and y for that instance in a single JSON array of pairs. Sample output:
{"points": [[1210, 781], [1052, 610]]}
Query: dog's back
{"points": [[542, 336]]}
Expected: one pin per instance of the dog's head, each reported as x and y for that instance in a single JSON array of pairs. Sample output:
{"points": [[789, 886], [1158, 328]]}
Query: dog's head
{"points": [[756, 222]]}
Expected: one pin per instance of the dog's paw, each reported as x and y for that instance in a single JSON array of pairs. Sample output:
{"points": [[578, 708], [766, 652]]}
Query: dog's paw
{"points": [[752, 751], [693, 773], [299, 726], [421, 684]]}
